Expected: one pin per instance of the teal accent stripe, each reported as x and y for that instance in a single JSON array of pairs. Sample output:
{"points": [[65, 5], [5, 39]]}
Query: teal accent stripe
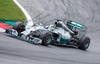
{"points": [[10, 23]]}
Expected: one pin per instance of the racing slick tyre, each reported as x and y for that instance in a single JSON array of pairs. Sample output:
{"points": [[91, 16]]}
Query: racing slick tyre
{"points": [[19, 26], [46, 38], [84, 43]]}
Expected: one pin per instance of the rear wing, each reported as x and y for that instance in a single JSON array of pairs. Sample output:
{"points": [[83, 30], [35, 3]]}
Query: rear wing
{"points": [[77, 25], [82, 29]]}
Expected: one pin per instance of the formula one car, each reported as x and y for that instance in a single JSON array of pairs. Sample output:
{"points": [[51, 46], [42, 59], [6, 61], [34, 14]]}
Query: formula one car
{"points": [[71, 33]]}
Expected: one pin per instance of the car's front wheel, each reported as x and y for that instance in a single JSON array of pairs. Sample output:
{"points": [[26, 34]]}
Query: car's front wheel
{"points": [[19, 27], [46, 38]]}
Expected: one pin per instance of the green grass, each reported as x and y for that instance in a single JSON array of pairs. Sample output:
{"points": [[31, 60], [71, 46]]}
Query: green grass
{"points": [[10, 11]]}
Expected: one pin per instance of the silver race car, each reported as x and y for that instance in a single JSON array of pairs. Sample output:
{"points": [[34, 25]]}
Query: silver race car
{"points": [[71, 33]]}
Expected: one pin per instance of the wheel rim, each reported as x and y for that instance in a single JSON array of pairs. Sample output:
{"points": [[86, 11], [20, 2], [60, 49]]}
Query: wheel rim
{"points": [[87, 43], [48, 39], [21, 27]]}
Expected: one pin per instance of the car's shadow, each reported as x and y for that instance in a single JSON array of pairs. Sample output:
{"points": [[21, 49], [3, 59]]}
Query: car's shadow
{"points": [[66, 46]]}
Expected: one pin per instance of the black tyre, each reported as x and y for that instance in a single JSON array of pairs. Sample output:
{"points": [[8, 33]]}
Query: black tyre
{"points": [[19, 26], [46, 38], [84, 43]]}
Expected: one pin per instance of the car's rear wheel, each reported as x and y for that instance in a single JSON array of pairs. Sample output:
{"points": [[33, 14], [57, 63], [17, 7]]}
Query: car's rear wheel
{"points": [[84, 43], [19, 26]]}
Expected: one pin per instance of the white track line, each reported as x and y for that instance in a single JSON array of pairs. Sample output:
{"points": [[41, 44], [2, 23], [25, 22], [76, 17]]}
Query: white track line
{"points": [[2, 30], [29, 19]]}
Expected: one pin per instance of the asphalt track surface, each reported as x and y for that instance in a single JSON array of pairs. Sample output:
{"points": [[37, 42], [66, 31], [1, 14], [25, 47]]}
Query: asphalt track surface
{"points": [[14, 51]]}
